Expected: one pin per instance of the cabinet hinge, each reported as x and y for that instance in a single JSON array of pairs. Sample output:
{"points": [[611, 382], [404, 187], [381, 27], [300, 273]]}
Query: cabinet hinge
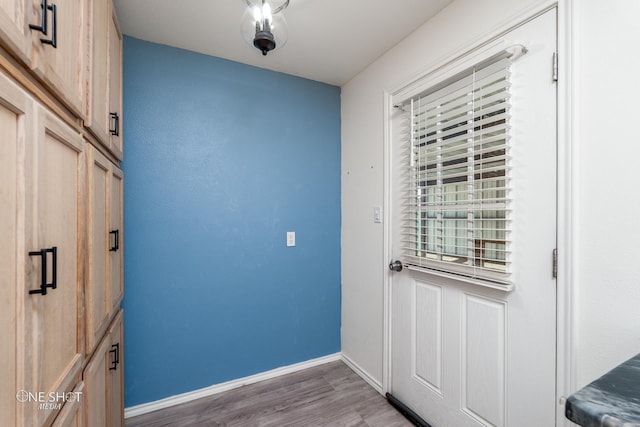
{"points": [[554, 270], [554, 69]]}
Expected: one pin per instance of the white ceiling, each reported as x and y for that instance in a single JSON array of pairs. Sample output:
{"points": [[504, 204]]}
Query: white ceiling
{"points": [[329, 40]]}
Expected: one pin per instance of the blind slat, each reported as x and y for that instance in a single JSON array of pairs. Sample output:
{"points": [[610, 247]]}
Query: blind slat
{"points": [[457, 198]]}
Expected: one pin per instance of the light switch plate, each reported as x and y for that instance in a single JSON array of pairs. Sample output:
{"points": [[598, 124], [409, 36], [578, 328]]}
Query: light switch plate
{"points": [[291, 238], [377, 214]]}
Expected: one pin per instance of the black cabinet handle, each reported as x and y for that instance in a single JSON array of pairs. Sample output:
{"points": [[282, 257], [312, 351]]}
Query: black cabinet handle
{"points": [[54, 268], [43, 24], [115, 351], [116, 241], [43, 19], [54, 27], [116, 124], [43, 273]]}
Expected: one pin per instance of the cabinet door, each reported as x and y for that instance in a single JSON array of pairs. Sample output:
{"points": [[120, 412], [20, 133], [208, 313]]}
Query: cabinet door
{"points": [[55, 168], [72, 413], [116, 373], [115, 82], [63, 67], [116, 288], [97, 300], [95, 378], [14, 124], [15, 16], [98, 117], [103, 379]]}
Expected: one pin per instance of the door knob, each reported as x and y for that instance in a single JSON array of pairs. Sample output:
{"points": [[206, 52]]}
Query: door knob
{"points": [[395, 265]]}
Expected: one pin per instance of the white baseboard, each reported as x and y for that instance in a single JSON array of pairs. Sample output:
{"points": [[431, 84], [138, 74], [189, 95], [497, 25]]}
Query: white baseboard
{"points": [[229, 385], [362, 373]]}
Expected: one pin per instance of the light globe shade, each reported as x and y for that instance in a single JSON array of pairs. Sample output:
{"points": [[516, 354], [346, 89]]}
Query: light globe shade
{"points": [[257, 12]]}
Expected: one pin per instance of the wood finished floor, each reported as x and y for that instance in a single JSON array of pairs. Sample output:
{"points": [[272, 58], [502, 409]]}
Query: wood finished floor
{"points": [[326, 395]]}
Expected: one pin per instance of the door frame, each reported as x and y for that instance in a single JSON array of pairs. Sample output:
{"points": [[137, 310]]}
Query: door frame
{"points": [[567, 84]]}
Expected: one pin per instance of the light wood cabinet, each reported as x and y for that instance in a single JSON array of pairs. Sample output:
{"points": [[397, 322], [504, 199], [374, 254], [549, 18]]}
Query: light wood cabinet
{"points": [[116, 374], [103, 375], [103, 380], [103, 287], [41, 188], [50, 38], [72, 414], [104, 105], [15, 16], [97, 117], [97, 299], [95, 378], [15, 123], [116, 236], [115, 82], [54, 187], [60, 213], [63, 67]]}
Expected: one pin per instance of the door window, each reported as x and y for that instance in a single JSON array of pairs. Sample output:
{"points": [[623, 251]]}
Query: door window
{"points": [[458, 198]]}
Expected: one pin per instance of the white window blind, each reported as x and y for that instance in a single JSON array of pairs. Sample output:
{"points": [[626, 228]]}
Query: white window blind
{"points": [[456, 210]]}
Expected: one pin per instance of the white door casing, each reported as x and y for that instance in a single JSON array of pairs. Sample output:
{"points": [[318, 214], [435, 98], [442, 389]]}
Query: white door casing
{"points": [[465, 354]]}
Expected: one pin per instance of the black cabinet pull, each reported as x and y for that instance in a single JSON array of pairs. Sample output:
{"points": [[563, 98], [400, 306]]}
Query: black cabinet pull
{"points": [[54, 268], [54, 27], [43, 273], [43, 19], [43, 25], [116, 124], [115, 351], [116, 240]]}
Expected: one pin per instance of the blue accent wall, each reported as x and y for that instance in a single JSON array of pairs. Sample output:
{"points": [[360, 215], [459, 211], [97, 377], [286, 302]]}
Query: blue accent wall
{"points": [[221, 160]]}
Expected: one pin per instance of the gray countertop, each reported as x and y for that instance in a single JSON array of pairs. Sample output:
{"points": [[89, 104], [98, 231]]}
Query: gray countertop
{"points": [[613, 400]]}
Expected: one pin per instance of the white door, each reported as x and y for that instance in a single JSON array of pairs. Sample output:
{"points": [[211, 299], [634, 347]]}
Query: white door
{"points": [[466, 354]]}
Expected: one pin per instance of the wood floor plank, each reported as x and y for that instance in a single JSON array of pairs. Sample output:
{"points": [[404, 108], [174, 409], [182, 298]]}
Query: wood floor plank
{"points": [[326, 395]]}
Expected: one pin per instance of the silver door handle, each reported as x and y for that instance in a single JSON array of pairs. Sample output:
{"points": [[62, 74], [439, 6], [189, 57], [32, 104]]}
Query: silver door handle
{"points": [[395, 265]]}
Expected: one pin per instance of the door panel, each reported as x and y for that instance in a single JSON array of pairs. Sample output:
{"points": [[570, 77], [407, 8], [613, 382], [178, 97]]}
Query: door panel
{"points": [[72, 412], [97, 304], [98, 101], [13, 122], [57, 201], [115, 80], [464, 354], [15, 17], [427, 329], [103, 379], [8, 291], [95, 378], [63, 67], [116, 282], [483, 358], [116, 374]]}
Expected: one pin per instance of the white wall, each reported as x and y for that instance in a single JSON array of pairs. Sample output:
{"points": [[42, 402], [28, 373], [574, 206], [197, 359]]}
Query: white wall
{"points": [[607, 147], [463, 24]]}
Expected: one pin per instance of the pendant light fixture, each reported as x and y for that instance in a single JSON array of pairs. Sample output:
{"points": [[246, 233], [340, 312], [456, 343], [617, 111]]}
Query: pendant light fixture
{"points": [[263, 24]]}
